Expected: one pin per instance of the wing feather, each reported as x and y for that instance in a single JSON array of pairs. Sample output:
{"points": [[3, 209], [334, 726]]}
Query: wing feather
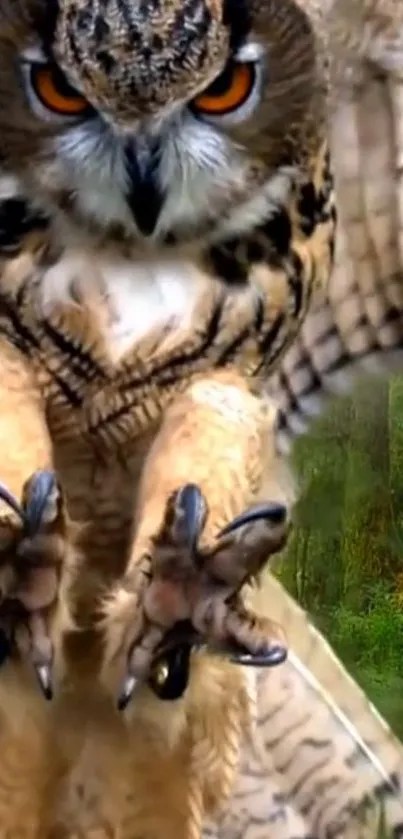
{"points": [[323, 762], [355, 326], [327, 750]]}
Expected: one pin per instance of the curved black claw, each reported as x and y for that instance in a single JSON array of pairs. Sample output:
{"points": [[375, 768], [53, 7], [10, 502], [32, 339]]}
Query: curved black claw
{"points": [[36, 496], [42, 484], [274, 512], [184, 634], [8, 498], [170, 669], [265, 657], [43, 674], [190, 510], [126, 692], [170, 673], [271, 657]]}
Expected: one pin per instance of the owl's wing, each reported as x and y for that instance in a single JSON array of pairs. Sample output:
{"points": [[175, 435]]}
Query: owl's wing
{"points": [[327, 749], [326, 765], [356, 326]]}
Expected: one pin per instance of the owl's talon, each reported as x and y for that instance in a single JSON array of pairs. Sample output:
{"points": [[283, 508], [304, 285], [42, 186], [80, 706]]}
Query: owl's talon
{"points": [[41, 652], [169, 675], [37, 498], [189, 513], [192, 584], [271, 657], [272, 512], [31, 566], [126, 692], [43, 674]]}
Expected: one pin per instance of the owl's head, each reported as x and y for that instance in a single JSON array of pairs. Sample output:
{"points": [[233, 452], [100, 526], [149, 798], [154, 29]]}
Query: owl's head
{"points": [[156, 120]]}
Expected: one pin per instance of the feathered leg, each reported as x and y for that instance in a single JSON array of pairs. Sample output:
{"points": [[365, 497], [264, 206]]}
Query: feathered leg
{"points": [[202, 529], [32, 517]]}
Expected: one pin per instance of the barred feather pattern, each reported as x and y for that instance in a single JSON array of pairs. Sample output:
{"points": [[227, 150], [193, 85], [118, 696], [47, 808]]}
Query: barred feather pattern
{"points": [[355, 326], [321, 761], [316, 759]]}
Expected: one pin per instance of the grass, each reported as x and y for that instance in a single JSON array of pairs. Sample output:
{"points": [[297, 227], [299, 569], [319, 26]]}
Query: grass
{"points": [[385, 690], [370, 645]]}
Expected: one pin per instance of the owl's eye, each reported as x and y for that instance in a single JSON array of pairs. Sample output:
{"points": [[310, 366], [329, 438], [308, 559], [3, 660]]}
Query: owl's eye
{"points": [[228, 92], [54, 92], [49, 93]]}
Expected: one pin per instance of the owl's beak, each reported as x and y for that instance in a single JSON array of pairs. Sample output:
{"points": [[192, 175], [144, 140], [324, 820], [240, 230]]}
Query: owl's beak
{"points": [[144, 195]]}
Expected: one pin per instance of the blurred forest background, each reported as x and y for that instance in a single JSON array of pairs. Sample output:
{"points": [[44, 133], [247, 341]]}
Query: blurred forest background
{"points": [[344, 562]]}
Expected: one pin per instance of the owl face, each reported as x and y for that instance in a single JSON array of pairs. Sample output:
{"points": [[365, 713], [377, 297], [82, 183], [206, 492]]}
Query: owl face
{"points": [[158, 121]]}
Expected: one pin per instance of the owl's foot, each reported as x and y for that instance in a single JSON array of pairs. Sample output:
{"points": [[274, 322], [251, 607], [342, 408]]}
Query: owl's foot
{"points": [[32, 550], [187, 583]]}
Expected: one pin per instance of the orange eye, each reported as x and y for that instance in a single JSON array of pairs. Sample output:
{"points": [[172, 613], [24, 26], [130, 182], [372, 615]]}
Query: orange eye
{"points": [[54, 92], [229, 91]]}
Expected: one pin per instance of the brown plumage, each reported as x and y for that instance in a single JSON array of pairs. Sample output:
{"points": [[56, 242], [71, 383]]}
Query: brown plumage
{"points": [[355, 326], [167, 212], [221, 274]]}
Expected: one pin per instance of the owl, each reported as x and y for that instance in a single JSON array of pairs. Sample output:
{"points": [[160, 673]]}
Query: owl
{"points": [[167, 222], [173, 234]]}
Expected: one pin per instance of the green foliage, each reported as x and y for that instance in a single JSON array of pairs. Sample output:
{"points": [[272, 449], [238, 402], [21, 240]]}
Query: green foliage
{"points": [[344, 561], [374, 637], [371, 645]]}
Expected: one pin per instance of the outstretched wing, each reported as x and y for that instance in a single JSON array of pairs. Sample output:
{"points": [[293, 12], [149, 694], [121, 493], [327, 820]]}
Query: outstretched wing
{"points": [[324, 763], [328, 752], [356, 325]]}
